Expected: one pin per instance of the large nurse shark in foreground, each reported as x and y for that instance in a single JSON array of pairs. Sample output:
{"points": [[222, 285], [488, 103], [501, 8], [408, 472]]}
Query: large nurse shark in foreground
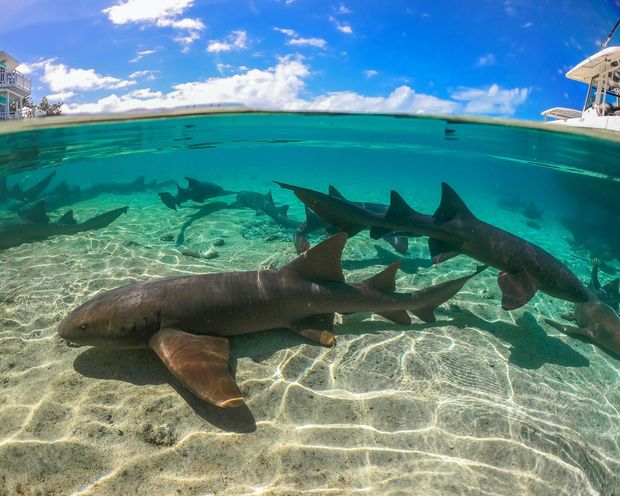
{"points": [[187, 320]]}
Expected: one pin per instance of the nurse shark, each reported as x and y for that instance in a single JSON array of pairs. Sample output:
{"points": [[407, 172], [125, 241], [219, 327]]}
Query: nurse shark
{"points": [[188, 320]]}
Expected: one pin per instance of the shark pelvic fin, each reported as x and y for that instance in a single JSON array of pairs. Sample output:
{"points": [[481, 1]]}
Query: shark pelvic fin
{"points": [[317, 328], [200, 363], [37, 213], [322, 261], [440, 251], [398, 316], [385, 280], [577, 331], [517, 289], [451, 206]]}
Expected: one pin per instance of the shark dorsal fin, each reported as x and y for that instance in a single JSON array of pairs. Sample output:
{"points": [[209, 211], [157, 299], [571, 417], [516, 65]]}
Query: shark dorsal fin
{"points": [[192, 182], [322, 261], [398, 207], [139, 181], [385, 280], [37, 213], [68, 219], [451, 205], [269, 197], [335, 193]]}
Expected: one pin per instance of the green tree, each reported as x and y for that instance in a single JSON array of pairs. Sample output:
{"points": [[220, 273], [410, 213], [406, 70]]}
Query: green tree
{"points": [[49, 109]]}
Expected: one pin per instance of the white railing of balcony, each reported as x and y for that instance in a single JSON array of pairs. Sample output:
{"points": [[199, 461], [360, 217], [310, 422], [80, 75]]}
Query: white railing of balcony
{"points": [[15, 79]]}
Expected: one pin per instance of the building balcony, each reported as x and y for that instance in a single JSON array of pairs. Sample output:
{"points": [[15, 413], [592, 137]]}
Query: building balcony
{"points": [[16, 82]]}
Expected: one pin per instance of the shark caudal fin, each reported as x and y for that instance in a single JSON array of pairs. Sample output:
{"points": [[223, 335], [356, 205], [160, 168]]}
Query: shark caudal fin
{"points": [[397, 213], [385, 281], [168, 200], [322, 261], [451, 206], [433, 296]]}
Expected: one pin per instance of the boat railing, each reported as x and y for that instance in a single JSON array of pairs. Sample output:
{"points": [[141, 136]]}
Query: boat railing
{"points": [[15, 79]]}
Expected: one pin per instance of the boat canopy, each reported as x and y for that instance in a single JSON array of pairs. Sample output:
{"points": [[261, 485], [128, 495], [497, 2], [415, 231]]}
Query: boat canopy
{"points": [[606, 59]]}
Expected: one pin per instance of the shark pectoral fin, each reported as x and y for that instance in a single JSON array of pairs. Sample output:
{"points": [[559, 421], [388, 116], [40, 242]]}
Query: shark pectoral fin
{"points": [[317, 328], [517, 289], [399, 317], [378, 232], [578, 331], [200, 363], [168, 200], [440, 251]]}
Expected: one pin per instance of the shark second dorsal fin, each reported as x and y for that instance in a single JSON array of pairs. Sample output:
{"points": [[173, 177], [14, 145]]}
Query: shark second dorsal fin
{"points": [[451, 205], [282, 210], [37, 213], [385, 280], [68, 219], [322, 261], [335, 193]]}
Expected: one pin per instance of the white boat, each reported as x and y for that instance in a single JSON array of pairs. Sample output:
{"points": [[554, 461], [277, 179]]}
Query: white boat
{"points": [[601, 109]]}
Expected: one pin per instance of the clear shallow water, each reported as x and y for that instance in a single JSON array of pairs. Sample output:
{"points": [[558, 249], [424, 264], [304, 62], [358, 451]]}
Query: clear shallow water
{"points": [[483, 401]]}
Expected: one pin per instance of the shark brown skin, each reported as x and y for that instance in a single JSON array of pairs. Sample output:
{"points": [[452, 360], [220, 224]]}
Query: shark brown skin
{"points": [[197, 191], [339, 214], [453, 229], [187, 320], [36, 226], [596, 321]]}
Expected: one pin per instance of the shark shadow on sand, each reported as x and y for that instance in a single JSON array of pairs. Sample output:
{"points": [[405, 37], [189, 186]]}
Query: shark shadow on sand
{"points": [[120, 365], [531, 346]]}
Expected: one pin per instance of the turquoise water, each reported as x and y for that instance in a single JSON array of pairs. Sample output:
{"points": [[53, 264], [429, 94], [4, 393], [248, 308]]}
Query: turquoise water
{"points": [[483, 401]]}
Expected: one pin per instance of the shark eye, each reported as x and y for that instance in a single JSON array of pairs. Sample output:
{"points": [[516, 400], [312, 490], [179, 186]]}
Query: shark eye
{"points": [[83, 327]]}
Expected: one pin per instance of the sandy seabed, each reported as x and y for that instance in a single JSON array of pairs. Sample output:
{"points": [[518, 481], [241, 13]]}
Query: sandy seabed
{"points": [[480, 402]]}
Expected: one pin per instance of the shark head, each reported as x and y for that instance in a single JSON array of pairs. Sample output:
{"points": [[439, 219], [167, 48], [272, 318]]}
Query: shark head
{"points": [[104, 321]]}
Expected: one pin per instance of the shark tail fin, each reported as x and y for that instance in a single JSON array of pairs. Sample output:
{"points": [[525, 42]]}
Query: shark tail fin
{"points": [[322, 261], [67, 219], [37, 213], [335, 193], [168, 200], [451, 206], [385, 281], [442, 293]]}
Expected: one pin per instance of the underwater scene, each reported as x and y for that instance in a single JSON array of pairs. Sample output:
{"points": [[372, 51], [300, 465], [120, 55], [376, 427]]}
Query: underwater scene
{"points": [[307, 303]]}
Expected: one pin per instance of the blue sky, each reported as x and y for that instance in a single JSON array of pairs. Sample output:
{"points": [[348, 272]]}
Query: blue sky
{"points": [[487, 57]]}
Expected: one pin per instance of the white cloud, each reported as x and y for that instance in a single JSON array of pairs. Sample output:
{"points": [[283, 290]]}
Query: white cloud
{"points": [[146, 10], [60, 78], [287, 32], [370, 73], [315, 42], [282, 87], [236, 40], [142, 54], [528, 24], [492, 100], [343, 27], [485, 60], [63, 96], [146, 74], [343, 9], [159, 13]]}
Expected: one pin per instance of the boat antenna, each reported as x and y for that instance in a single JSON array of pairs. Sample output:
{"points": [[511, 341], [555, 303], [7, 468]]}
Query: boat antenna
{"points": [[611, 34]]}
